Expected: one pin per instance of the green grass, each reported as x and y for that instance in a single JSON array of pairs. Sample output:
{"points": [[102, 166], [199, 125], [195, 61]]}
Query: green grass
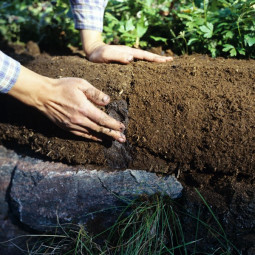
{"points": [[148, 226]]}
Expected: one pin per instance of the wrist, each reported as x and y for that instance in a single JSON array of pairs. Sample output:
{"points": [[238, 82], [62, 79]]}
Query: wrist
{"points": [[91, 40], [32, 89]]}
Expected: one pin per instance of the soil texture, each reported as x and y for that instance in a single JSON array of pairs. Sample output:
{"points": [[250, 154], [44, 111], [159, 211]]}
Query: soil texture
{"points": [[195, 113]]}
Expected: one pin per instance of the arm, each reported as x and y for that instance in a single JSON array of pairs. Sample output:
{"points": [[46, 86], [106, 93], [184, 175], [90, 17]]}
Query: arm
{"points": [[88, 16], [67, 102]]}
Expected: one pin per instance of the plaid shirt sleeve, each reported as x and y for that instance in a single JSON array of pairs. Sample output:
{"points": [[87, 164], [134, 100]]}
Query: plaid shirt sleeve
{"points": [[88, 14], [9, 72]]}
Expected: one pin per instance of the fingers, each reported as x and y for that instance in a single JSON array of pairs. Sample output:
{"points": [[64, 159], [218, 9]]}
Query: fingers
{"points": [[119, 56], [94, 94], [101, 118], [107, 131], [82, 126], [115, 54], [94, 113], [124, 55], [87, 136], [145, 55]]}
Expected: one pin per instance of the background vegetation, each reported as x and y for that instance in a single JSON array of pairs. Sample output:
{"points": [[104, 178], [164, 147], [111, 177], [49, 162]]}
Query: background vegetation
{"points": [[219, 28]]}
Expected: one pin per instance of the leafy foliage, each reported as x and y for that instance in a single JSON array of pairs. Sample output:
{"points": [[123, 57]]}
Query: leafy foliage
{"points": [[219, 28], [47, 22], [135, 23]]}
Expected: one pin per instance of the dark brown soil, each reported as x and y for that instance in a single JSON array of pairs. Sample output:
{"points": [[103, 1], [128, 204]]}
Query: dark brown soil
{"points": [[194, 117], [195, 113]]}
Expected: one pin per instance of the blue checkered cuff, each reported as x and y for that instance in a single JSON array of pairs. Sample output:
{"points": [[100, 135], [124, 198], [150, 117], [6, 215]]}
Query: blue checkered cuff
{"points": [[88, 14], [9, 72]]}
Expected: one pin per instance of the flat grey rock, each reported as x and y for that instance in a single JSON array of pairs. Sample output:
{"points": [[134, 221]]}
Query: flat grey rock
{"points": [[43, 194]]}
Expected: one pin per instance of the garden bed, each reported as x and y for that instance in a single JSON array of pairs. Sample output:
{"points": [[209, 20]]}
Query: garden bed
{"points": [[193, 117]]}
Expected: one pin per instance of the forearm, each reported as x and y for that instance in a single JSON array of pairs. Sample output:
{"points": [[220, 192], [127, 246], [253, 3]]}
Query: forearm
{"points": [[88, 17], [23, 84], [91, 40], [32, 88]]}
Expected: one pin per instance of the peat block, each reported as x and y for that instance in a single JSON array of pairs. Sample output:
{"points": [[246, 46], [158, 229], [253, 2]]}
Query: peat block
{"points": [[195, 113]]}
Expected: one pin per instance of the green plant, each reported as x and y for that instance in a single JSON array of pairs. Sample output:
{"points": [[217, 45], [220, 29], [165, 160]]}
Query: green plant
{"points": [[48, 23], [219, 28], [131, 22], [151, 225], [223, 28]]}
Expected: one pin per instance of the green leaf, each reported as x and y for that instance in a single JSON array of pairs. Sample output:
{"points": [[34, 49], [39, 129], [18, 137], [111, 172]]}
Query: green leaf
{"points": [[158, 38], [148, 2], [227, 47], [2, 21], [229, 35], [191, 40], [122, 29], [143, 43], [242, 51], [129, 25], [223, 24], [199, 21], [185, 16], [233, 52], [110, 17], [249, 40], [207, 29], [190, 25], [141, 28], [213, 52]]}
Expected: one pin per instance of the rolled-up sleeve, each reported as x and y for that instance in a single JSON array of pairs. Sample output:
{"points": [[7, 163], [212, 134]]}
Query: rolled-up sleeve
{"points": [[9, 72], [88, 14]]}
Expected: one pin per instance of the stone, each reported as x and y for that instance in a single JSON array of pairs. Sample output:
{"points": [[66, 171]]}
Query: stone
{"points": [[8, 230], [8, 161], [44, 194]]}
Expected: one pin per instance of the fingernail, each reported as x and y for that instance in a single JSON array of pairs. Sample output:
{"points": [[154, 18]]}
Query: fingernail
{"points": [[122, 138], [130, 58], [106, 99], [122, 127]]}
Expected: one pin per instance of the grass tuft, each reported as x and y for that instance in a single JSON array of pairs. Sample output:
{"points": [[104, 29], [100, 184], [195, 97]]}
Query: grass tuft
{"points": [[151, 225]]}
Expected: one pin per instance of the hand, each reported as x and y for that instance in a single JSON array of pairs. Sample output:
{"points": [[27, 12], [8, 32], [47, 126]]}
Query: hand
{"points": [[68, 103], [99, 52], [123, 54]]}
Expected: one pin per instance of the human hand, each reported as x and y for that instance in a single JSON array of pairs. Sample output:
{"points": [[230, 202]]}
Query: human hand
{"points": [[99, 52], [71, 108], [68, 102], [123, 54]]}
